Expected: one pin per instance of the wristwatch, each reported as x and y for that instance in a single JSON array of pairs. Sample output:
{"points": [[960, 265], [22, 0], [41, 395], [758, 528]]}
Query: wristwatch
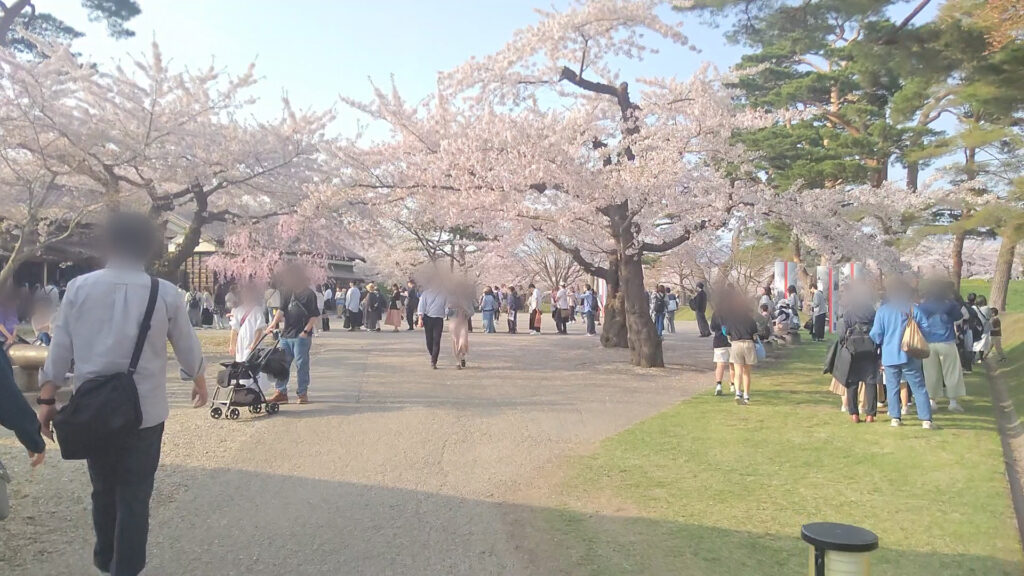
{"points": [[46, 401], [307, 332]]}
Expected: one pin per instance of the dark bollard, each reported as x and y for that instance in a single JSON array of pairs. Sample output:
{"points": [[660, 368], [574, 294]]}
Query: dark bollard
{"points": [[839, 549]]}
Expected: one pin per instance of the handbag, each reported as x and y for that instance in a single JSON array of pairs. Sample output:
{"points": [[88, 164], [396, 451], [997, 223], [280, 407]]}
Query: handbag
{"points": [[105, 409], [913, 342], [857, 342], [759, 350]]}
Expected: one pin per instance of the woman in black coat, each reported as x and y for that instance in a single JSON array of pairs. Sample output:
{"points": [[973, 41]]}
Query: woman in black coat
{"points": [[857, 359]]}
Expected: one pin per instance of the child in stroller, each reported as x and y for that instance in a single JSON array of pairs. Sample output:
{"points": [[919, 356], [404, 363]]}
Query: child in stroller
{"points": [[238, 383]]}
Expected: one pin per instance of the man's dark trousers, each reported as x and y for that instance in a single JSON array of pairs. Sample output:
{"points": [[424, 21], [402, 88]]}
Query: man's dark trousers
{"points": [[122, 484], [702, 324], [433, 328]]}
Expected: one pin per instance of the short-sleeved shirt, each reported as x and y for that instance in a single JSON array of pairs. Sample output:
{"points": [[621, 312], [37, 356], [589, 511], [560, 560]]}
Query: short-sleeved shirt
{"points": [[718, 331], [298, 309]]}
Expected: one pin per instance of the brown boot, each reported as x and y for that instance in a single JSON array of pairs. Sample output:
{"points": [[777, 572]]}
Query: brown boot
{"points": [[278, 398], [855, 418], [303, 398], [869, 419]]}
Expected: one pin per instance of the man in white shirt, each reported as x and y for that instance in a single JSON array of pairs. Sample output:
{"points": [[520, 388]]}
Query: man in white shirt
{"points": [[562, 316], [355, 314], [96, 328], [819, 310], [432, 309], [535, 313]]}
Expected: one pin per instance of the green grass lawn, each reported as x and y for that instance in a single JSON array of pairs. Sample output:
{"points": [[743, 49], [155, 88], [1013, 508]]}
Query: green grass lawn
{"points": [[709, 487], [1014, 299]]}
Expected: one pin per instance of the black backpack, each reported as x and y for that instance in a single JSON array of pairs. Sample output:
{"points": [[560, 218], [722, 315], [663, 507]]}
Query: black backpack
{"points": [[194, 301]]}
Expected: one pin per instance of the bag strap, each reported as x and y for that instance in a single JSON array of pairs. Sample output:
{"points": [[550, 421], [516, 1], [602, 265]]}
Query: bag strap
{"points": [[147, 319], [245, 316]]}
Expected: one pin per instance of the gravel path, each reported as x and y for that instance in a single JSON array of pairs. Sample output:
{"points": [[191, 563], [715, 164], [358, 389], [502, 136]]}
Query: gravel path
{"points": [[394, 469]]}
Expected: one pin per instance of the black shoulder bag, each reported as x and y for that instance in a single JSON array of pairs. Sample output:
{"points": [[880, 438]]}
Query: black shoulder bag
{"points": [[105, 409]]}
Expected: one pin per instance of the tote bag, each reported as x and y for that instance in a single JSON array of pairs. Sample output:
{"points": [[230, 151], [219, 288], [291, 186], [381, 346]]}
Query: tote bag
{"points": [[913, 342], [760, 351]]}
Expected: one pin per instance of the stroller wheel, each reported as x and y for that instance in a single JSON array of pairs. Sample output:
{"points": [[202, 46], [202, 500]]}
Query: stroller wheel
{"points": [[255, 408], [233, 414], [273, 407], [216, 412]]}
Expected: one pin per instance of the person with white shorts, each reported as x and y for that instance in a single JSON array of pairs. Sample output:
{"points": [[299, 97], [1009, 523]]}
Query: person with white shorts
{"points": [[743, 354], [721, 345]]}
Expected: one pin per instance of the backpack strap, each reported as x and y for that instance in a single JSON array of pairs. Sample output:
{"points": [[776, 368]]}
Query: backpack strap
{"points": [[147, 319]]}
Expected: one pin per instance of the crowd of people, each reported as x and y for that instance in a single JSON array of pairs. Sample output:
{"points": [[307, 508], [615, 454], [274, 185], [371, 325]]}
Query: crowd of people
{"points": [[959, 332], [457, 302], [871, 362], [868, 359], [868, 351]]}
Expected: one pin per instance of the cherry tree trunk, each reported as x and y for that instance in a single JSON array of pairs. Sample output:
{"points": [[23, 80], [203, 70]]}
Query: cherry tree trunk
{"points": [[613, 328], [644, 344], [7, 272], [958, 259], [1004, 269], [17, 255]]}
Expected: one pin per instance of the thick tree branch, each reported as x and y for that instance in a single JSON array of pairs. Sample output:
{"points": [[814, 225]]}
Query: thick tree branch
{"points": [[7, 19], [891, 37], [577, 256]]}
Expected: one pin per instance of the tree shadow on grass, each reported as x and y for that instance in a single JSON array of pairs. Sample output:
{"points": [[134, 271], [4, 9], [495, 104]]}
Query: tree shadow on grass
{"points": [[228, 521]]}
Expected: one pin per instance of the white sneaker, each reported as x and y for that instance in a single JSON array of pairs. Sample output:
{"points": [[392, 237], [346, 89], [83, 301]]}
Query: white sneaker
{"points": [[896, 423], [955, 407], [904, 410], [718, 389], [934, 404], [927, 424], [843, 409]]}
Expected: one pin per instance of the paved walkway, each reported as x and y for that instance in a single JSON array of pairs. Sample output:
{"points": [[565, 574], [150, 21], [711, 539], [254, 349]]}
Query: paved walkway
{"points": [[394, 469]]}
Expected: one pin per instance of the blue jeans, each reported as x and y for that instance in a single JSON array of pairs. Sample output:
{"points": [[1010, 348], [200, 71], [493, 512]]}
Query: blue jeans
{"points": [[659, 322], [299, 349], [489, 321], [591, 329], [911, 372]]}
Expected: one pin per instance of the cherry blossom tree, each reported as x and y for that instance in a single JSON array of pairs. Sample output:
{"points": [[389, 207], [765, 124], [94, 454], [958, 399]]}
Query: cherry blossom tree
{"points": [[45, 198], [546, 138], [148, 138]]}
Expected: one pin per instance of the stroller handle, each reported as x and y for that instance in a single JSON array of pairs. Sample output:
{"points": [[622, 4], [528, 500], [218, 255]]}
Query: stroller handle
{"points": [[255, 345]]}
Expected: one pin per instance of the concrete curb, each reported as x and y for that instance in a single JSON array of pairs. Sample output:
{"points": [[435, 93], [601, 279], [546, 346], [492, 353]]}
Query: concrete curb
{"points": [[1011, 435]]}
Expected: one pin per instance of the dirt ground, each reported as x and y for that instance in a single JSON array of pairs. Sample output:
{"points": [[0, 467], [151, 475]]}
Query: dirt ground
{"points": [[393, 469]]}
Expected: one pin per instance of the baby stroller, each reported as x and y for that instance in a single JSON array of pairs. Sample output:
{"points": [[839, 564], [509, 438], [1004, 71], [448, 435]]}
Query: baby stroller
{"points": [[238, 384]]}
